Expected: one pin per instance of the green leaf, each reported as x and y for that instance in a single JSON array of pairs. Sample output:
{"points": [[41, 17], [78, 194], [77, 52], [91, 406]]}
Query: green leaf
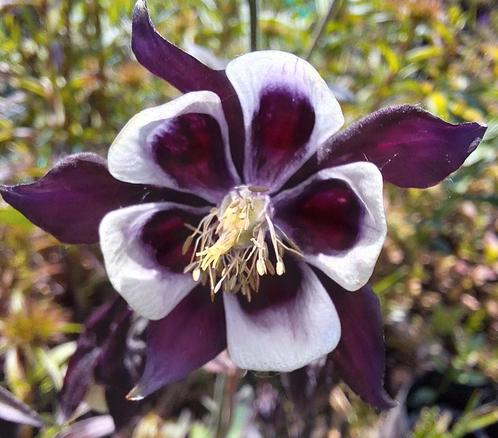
{"points": [[423, 53], [11, 217], [198, 430], [479, 419]]}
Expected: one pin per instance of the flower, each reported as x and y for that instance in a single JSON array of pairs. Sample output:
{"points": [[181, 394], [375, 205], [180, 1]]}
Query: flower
{"points": [[109, 352], [235, 217]]}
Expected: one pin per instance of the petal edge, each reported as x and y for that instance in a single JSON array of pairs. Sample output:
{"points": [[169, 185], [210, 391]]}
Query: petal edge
{"points": [[282, 329]]}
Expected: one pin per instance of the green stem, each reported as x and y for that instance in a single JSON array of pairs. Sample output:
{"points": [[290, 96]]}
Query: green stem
{"points": [[320, 28], [226, 402], [253, 17]]}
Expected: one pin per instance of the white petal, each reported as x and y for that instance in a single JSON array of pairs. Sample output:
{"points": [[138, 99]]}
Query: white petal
{"points": [[150, 289], [253, 74], [130, 157], [284, 337], [351, 268]]}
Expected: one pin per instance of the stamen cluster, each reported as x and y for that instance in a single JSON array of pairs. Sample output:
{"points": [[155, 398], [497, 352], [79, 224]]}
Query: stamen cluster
{"points": [[230, 250]]}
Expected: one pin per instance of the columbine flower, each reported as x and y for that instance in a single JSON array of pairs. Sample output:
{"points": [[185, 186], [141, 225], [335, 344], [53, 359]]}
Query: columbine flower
{"points": [[109, 352], [232, 217]]}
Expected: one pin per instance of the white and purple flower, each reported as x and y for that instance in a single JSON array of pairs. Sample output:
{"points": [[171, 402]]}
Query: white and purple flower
{"points": [[235, 217]]}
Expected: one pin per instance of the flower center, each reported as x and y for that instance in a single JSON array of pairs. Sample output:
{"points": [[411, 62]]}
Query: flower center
{"points": [[230, 250]]}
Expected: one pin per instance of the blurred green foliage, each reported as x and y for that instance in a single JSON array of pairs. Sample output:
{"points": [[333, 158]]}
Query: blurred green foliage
{"points": [[68, 83]]}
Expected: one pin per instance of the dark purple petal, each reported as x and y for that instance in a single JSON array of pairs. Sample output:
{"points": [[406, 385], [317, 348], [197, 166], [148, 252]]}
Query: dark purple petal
{"points": [[185, 72], [119, 367], [359, 356], [165, 233], [184, 340], [14, 410], [167, 61], [325, 217], [411, 147], [189, 148], [82, 365], [79, 377], [113, 347], [280, 128], [72, 198], [125, 413]]}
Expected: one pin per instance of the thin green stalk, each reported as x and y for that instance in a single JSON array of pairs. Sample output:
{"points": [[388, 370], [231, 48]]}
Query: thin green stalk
{"points": [[253, 17], [320, 28], [227, 389]]}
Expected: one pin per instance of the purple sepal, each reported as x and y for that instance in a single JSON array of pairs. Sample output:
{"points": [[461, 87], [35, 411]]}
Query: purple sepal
{"points": [[411, 147], [190, 336], [72, 198], [168, 61], [119, 367], [186, 73], [90, 349], [360, 357], [14, 410]]}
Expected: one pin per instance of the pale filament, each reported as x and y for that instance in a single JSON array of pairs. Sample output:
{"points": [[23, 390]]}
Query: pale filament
{"points": [[230, 250]]}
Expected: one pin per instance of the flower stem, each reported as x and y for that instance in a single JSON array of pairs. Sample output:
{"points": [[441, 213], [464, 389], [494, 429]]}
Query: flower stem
{"points": [[253, 17], [320, 28], [227, 402]]}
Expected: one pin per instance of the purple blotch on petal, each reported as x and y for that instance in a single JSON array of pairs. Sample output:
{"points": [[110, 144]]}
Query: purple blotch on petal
{"points": [[165, 233], [186, 73], [72, 198], [190, 150], [275, 291], [325, 217], [190, 336], [281, 127], [411, 147], [359, 357]]}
